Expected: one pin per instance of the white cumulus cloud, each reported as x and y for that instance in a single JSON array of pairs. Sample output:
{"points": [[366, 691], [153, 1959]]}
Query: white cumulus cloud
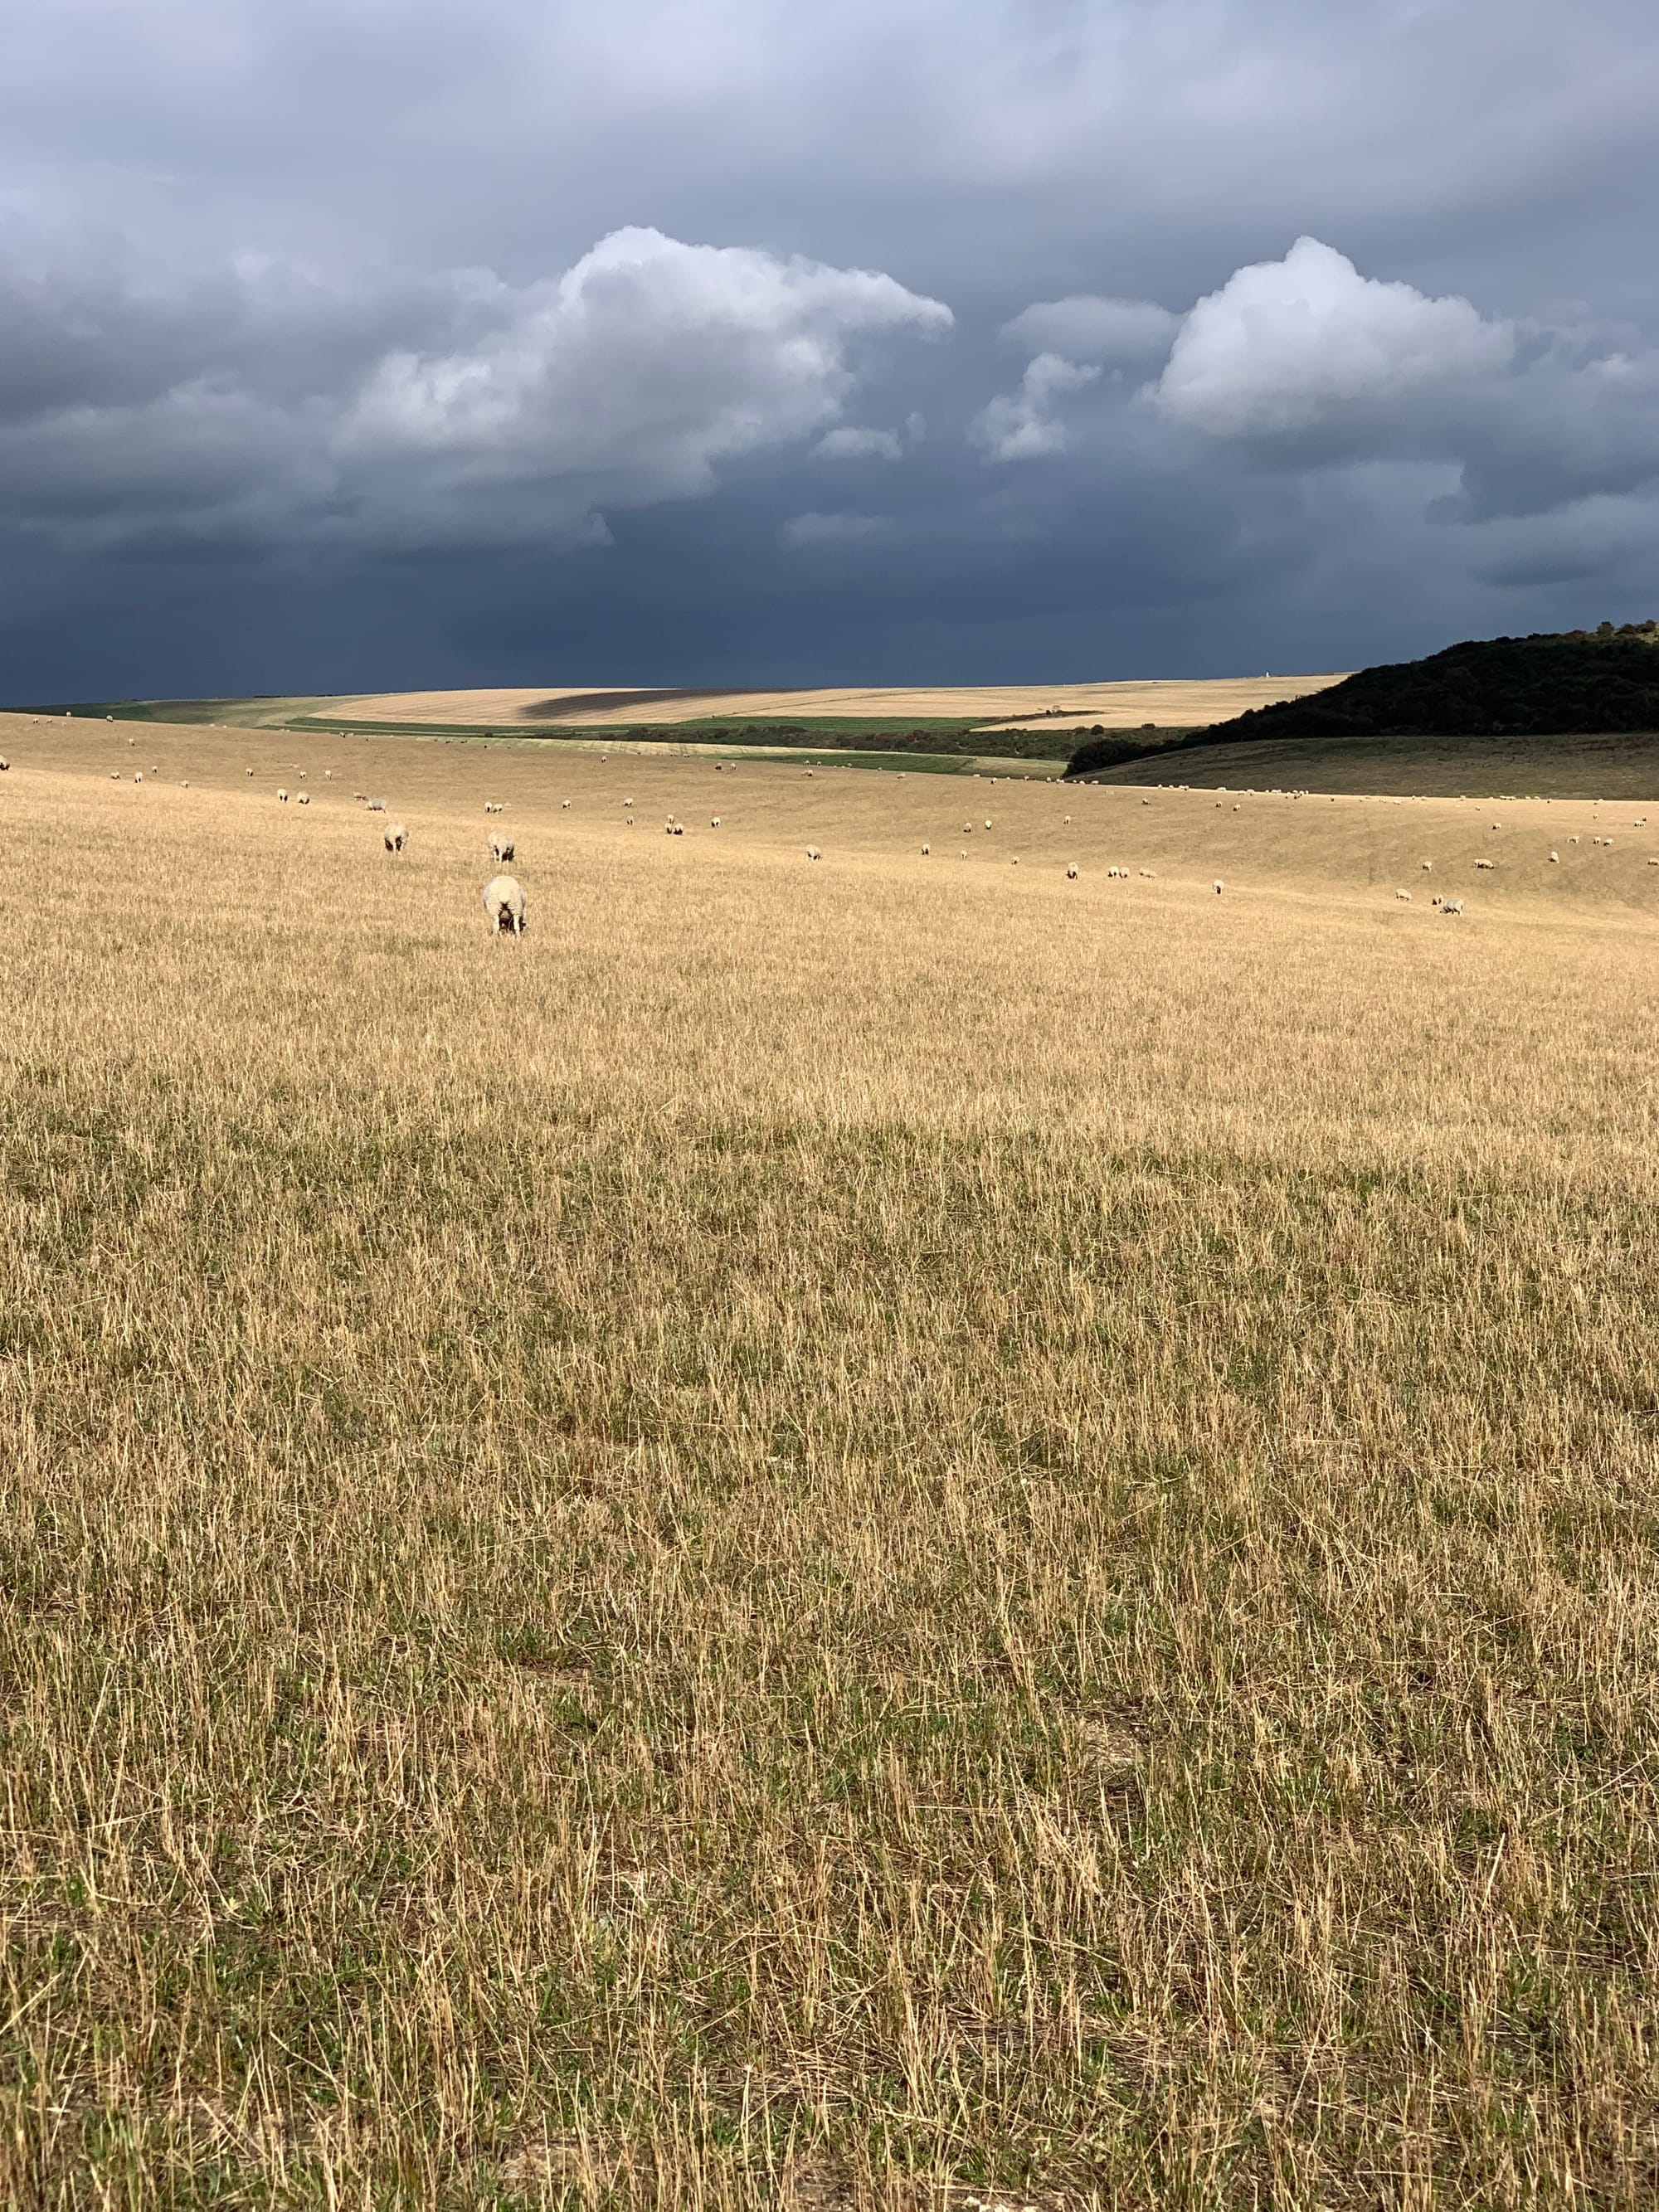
{"points": [[1021, 426], [1088, 328], [849, 444], [461, 409], [1307, 351]]}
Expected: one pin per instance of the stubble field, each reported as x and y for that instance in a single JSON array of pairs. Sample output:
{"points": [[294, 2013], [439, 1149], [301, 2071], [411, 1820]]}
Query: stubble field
{"points": [[893, 1532]]}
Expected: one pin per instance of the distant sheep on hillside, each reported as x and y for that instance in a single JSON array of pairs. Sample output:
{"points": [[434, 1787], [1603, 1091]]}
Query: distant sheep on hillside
{"points": [[394, 836], [1071, 871], [501, 848]]}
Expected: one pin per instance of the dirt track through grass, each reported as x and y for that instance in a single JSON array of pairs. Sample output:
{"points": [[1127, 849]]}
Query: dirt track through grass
{"points": [[872, 1533]]}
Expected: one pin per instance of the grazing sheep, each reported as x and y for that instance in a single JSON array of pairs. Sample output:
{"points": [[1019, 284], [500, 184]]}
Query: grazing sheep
{"points": [[281, 793], [1404, 895], [305, 798], [492, 807], [1219, 887], [1428, 867], [503, 901], [249, 771], [4, 763], [566, 806], [1149, 872], [927, 848], [1071, 871], [1556, 859], [377, 807], [394, 836], [813, 854], [115, 776], [713, 821], [967, 828], [501, 848], [328, 772], [1485, 864], [1452, 906], [987, 821]]}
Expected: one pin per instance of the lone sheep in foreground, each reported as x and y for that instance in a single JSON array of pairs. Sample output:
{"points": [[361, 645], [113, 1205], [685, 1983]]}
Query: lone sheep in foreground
{"points": [[503, 901], [395, 836], [501, 848]]}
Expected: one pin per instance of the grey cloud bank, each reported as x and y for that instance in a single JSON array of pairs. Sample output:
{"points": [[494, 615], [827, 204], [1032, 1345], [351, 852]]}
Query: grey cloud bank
{"points": [[356, 346]]}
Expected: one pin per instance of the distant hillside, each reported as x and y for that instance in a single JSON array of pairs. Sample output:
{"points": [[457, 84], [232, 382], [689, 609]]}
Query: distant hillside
{"points": [[1578, 681]]}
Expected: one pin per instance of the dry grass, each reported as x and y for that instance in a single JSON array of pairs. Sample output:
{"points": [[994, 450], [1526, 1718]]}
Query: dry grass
{"points": [[889, 1534], [1118, 705]]}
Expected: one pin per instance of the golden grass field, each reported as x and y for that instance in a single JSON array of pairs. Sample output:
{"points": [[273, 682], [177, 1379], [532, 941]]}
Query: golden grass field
{"points": [[891, 1533], [1012, 706]]}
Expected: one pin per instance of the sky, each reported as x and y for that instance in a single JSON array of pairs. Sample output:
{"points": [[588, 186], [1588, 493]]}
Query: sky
{"points": [[375, 345]]}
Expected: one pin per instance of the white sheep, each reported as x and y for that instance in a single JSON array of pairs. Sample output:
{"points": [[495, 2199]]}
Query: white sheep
{"points": [[4, 763], [501, 848], [1071, 871], [813, 854], [1404, 895], [1555, 859], [713, 821], [988, 821], [305, 798], [249, 771], [503, 903], [567, 806], [1219, 887], [927, 848], [1452, 906], [394, 836], [1485, 864], [1150, 872], [281, 793], [1428, 867], [492, 807]]}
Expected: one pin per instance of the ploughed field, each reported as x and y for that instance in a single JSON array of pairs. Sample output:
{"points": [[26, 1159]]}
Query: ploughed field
{"points": [[894, 1530]]}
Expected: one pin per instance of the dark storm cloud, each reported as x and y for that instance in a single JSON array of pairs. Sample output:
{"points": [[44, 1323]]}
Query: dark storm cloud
{"points": [[906, 337]]}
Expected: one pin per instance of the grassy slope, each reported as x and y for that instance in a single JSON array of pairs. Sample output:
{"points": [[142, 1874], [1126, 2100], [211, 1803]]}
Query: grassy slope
{"points": [[1581, 767], [831, 1526]]}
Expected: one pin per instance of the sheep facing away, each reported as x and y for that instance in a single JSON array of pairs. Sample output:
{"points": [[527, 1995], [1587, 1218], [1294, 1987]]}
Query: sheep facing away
{"points": [[305, 798], [503, 905], [813, 854], [395, 836], [1071, 871], [501, 848], [281, 793], [492, 807]]}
